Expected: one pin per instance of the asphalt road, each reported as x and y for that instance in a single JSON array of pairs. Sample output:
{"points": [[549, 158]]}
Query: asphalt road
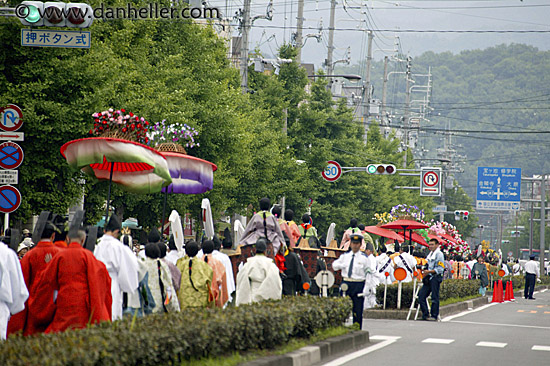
{"points": [[514, 333]]}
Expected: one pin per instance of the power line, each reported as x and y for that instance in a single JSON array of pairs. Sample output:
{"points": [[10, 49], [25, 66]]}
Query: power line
{"points": [[476, 31]]}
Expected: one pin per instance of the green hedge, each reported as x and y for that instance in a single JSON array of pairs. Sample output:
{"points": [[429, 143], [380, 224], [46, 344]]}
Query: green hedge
{"points": [[519, 281], [449, 288], [166, 339]]}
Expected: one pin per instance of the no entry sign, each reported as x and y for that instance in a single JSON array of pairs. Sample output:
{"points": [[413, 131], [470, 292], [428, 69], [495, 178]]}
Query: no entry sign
{"points": [[10, 199], [11, 155]]}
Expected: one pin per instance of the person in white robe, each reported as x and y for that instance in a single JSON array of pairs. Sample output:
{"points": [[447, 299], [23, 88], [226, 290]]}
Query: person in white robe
{"points": [[372, 280], [406, 261], [13, 291], [121, 264], [259, 278], [384, 264], [173, 253]]}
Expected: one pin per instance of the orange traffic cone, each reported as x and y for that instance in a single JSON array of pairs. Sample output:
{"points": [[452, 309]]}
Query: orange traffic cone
{"points": [[500, 291], [495, 293], [512, 298], [507, 292]]}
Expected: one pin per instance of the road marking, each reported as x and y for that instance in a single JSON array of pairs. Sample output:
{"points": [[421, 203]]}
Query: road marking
{"points": [[491, 344], [521, 311], [540, 306], [438, 340], [502, 325], [449, 318], [386, 341], [547, 312], [533, 312], [541, 348]]}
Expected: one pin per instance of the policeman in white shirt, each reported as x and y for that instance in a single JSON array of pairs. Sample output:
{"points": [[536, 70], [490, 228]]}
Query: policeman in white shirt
{"points": [[354, 266], [532, 272]]}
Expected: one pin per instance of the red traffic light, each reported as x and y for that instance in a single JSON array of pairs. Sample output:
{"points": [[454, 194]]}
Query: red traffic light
{"points": [[465, 213]]}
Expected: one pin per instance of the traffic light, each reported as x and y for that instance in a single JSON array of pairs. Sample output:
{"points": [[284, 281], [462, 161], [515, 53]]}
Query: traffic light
{"points": [[381, 169], [461, 215], [55, 14]]}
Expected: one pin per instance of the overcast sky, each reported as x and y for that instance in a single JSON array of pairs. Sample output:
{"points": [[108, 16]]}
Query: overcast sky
{"points": [[354, 16]]}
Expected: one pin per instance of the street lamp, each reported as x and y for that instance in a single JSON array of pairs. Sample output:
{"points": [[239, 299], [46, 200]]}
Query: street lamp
{"points": [[350, 77]]}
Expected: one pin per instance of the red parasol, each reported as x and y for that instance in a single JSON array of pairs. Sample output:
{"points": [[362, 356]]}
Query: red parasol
{"points": [[432, 236], [404, 224], [384, 232], [417, 238], [449, 238]]}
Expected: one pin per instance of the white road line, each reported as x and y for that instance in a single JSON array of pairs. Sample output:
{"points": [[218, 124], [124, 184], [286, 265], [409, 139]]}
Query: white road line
{"points": [[438, 340], [541, 348], [491, 344], [451, 317], [502, 325], [386, 341]]}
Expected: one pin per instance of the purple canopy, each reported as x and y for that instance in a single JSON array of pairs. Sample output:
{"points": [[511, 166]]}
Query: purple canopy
{"points": [[190, 175]]}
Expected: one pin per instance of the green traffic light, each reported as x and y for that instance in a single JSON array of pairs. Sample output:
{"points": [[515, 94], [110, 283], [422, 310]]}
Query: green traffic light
{"points": [[33, 15], [371, 169]]}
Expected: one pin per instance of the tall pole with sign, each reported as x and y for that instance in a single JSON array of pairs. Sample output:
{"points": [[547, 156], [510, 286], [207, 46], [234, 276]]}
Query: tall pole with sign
{"points": [[11, 157]]}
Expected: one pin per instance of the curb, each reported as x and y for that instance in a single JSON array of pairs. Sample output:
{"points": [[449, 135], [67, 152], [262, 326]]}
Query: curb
{"points": [[316, 352]]}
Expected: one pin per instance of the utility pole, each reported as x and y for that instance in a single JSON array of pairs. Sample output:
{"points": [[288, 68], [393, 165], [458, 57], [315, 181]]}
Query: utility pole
{"points": [[329, 64], [542, 220], [384, 91], [407, 109], [366, 89], [531, 228], [299, 26], [245, 29]]}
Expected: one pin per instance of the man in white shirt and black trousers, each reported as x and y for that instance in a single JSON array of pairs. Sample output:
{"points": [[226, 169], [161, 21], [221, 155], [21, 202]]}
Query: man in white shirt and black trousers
{"points": [[354, 266], [532, 272]]}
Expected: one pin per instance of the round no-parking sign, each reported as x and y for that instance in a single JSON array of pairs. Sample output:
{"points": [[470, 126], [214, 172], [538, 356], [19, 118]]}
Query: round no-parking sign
{"points": [[10, 199], [332, 172], [11, 155]]}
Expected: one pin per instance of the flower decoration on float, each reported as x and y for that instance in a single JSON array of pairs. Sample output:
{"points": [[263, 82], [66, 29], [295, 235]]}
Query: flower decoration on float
{"points": [[384, 217], [404, 210], [120, 124], [176, 133]]}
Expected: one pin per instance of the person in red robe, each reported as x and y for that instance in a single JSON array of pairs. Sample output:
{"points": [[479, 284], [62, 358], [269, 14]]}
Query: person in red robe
{"points": [[73, 291], [32, 264]]}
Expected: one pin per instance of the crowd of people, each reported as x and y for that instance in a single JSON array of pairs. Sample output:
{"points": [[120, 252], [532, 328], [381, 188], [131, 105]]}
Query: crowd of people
{"points": [[57, 284]]}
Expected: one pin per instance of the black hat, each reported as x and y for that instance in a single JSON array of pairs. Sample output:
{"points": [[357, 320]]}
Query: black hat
{"points": [[370, 247], [261, 245], [227, 242], [356, 237], [192, 248], [289, 215], [172, 243], [154, 236], [208, 246], [76, 223], [217, 242], [152, 250], [113, 224], [264, 204], [532, 256]]}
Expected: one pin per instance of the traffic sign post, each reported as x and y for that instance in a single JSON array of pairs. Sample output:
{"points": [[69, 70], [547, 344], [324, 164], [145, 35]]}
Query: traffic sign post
{"points": [[9, 177], [332, 172], [430, 181], [498, 188]]}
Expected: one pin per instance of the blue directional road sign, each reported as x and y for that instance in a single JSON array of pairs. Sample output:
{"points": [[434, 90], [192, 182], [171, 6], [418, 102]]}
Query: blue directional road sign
{"points": [[498, 188]]}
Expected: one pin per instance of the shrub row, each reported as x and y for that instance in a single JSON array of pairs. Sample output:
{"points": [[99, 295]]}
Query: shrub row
{"points": [[166, 339], [449, 289], [519, 281]]}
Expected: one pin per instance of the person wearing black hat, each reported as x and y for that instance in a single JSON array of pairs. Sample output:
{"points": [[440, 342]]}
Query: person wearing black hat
{"points": [[226, 261], [121, 263], [82, 284], [227, 243], [296, 274], [354, 266], [306, 229], [259, 278], [32, 264], [294, 231], [196, 279], [532, 272], [263, 225]]}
